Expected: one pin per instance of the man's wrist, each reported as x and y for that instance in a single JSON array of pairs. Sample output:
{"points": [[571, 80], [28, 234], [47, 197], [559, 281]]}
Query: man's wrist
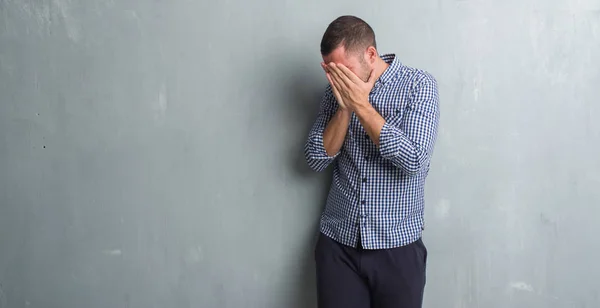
{"points": [[363, 108], [344, 112]]}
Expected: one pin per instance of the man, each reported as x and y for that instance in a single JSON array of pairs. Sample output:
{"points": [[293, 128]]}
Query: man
{"points": [[377, 126]]}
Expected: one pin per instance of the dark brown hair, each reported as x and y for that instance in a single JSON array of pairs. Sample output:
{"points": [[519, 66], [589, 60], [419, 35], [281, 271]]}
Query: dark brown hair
{"points": [[351, 32]]}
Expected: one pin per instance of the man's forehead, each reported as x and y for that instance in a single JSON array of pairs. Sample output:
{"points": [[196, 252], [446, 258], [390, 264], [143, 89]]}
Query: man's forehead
{"points": [[338, 55]]}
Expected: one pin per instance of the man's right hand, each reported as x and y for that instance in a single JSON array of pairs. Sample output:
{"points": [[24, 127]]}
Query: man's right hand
{"points": [[334, 87], [335, 131]]}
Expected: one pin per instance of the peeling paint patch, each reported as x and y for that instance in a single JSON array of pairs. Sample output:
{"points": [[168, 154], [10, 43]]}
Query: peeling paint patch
{"points": [[477, 84], [442, 209], [71, 25], [161, 105], [48, 14], [113, 253], [194, 255], [521, 286]]}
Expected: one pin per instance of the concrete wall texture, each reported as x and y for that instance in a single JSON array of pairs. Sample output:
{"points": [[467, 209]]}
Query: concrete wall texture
{"points": [[151, 151]]}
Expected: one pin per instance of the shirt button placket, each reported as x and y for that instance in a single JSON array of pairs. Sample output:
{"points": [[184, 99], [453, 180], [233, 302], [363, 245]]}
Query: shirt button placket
{"points": [[363, 214], [363, 208]]}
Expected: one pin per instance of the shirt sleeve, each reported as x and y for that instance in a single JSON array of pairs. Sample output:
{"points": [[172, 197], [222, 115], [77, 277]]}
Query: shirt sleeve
{"points": [[314, 150], [410, 144]]}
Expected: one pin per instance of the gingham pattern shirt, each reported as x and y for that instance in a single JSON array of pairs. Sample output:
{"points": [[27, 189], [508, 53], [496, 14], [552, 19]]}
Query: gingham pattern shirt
{"points": [[379, 191]]}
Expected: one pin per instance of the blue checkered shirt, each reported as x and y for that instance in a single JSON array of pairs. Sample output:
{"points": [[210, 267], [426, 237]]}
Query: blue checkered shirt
{"points": [[379, 191]]}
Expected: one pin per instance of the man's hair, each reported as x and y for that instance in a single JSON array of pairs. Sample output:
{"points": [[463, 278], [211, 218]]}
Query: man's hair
{"points": [[349, 31]]}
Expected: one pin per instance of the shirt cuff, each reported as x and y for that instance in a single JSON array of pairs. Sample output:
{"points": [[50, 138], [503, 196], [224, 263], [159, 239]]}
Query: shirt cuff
{"points": [[392, 141], [319, 148]]}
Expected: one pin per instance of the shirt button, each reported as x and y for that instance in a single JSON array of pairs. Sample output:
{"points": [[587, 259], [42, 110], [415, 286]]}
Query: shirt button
{"points": [[366, 136], [364, 202], [364, 180], [367, 158]]}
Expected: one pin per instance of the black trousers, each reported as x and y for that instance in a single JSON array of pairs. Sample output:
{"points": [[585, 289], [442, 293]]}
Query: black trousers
{"points": [[350, 277]]}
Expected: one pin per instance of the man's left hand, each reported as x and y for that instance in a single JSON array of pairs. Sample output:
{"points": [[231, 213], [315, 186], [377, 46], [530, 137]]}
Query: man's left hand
{"points": [[354, 91]]}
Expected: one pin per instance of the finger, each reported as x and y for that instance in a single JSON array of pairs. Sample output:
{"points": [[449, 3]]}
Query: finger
{"points": [[335, 90], [340, 87], [331, 82], [340, 76], [333, 74], [349, 74], [346, 75], [324, 66], [334, 85]]}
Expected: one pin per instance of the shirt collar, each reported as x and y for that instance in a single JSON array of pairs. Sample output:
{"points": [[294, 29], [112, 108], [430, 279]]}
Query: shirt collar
{"points": [[392, 71]]}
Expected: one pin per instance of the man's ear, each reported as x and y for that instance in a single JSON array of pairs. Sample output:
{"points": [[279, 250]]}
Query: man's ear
{"points": [[371, 54]]}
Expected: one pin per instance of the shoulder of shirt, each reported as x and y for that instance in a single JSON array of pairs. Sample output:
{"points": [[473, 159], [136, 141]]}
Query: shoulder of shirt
{"points": [[418, 77]]}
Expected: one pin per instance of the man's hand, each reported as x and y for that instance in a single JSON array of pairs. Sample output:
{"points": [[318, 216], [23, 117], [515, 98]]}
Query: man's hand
{"points": [[355, 94], [353, 91], [334, 87]]}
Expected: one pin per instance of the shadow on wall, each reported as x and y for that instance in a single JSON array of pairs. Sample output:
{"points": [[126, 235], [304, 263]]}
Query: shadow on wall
{"points": [[302, 90], [305, 93]]}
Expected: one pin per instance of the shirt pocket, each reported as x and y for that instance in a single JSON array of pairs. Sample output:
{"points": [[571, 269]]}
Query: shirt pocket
{"points": [[393, 110]]}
